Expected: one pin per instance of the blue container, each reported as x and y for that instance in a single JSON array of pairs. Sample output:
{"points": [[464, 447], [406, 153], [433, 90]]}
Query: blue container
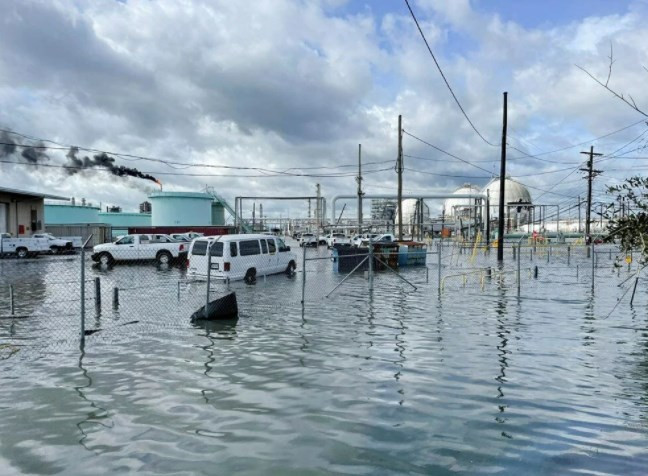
{"points": [[412, 254]]}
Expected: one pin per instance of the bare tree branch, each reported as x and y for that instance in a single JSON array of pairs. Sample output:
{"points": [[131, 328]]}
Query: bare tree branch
{"points": [[619, 96], [607, 81]]}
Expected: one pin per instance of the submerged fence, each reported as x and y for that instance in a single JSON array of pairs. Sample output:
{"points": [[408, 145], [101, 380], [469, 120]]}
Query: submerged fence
{"points": [[53, 301]]}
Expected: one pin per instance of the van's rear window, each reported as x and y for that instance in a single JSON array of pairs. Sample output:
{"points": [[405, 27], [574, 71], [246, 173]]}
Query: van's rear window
{"points": [[199, 248], [249, 247]]}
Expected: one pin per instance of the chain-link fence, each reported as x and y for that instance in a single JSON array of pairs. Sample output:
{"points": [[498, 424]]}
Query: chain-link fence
{"points": [[118, 291]]}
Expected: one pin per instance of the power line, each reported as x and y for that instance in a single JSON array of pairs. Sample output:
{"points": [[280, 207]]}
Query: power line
{"points": [[99, 169], [444, 78], [587, 141], [447, 153], [171, 163]]}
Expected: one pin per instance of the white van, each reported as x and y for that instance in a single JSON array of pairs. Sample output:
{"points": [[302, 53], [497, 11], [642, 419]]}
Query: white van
{"points": [[242, 256]]}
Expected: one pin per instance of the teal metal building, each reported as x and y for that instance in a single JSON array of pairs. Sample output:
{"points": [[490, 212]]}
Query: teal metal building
{"points": [[181, 209], [65, 214], [121, 221]]}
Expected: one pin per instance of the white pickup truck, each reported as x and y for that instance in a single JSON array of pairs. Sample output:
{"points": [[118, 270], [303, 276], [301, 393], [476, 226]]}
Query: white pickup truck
{"points": [[55, 245], [22, 247], [161, 248], [333, 239]]}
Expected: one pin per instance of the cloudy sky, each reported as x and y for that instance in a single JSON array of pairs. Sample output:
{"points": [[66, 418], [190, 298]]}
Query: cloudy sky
{"points": [[278, 90]]}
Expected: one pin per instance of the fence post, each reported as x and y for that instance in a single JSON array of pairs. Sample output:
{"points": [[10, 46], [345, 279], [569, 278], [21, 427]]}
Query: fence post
{"points": [[304, 274], [427, 274], [593, 265], [82, 336], [11, 300], [439, 248], [371, 264], [115, 297], [568, 254], [519, 275], [97, 282], [634, 289], [208, 279], [178, 290]]}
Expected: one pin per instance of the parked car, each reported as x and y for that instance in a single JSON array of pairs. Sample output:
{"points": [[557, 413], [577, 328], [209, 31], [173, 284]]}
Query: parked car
{"points": [[307, 239], [333, 239], [55, 245], [161, 248], [241, 256], [321, 239]]}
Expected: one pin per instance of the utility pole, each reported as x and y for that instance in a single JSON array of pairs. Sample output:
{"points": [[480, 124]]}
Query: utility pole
{"points": [[318, 209], [591, 173], [399, 169], [579, 214], [261, 215], [488, 219], [500, 222], [253, 215], [360, 194]]}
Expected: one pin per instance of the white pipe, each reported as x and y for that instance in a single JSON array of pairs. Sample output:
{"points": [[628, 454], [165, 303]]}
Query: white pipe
{"points": [[406, 197]]}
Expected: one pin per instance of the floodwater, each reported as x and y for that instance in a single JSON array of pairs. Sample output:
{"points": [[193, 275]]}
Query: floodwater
{"points": [[393, 380]]}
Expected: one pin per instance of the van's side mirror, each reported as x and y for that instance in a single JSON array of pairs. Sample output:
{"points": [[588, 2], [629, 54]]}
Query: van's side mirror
{"points": [[284, 248]]}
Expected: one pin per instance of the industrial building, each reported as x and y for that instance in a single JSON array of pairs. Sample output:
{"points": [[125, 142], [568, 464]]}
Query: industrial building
{"points": [[162, 210], [21, 212]]}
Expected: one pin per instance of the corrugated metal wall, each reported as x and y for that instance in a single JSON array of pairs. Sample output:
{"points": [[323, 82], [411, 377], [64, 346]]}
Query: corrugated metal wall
{"points": [[100, 233]]}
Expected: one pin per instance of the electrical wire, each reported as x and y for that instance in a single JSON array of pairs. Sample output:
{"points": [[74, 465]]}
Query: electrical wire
{"points": [[70, 167], [447, 153], [444, 78]]}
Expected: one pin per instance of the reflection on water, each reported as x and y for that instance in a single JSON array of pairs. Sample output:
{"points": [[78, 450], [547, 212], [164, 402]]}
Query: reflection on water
{"points": [[379, 381]]}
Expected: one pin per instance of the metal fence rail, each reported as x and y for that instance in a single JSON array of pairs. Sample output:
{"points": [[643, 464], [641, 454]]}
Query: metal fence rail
{"points": [[55, 301]]}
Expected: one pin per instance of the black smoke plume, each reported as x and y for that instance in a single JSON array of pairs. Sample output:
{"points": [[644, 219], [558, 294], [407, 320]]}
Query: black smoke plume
{"points": [[7, 145], [34, 155], [103, 160]]}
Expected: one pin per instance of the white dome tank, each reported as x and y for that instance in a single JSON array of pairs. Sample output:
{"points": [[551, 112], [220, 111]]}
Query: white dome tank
{"points": [[460, 207], [514, 192], [409, 212]]}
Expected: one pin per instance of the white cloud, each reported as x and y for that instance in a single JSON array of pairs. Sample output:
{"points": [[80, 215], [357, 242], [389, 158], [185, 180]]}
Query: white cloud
{"points": [[279, 84]]}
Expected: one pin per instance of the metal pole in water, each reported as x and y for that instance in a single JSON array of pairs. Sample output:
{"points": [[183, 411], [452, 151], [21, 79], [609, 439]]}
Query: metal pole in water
{"points": [[82, 295], [208, 279], [115, 297], [97, 293], [634, 289], [439, 267], [519, 275], [82, 340], [304, 274], [371, 263], [11, 300], [593, 265]]}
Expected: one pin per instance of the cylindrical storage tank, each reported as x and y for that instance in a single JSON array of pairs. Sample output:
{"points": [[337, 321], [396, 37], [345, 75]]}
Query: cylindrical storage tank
{"points": [[56, 214], [180, 209], [217, 213]]}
